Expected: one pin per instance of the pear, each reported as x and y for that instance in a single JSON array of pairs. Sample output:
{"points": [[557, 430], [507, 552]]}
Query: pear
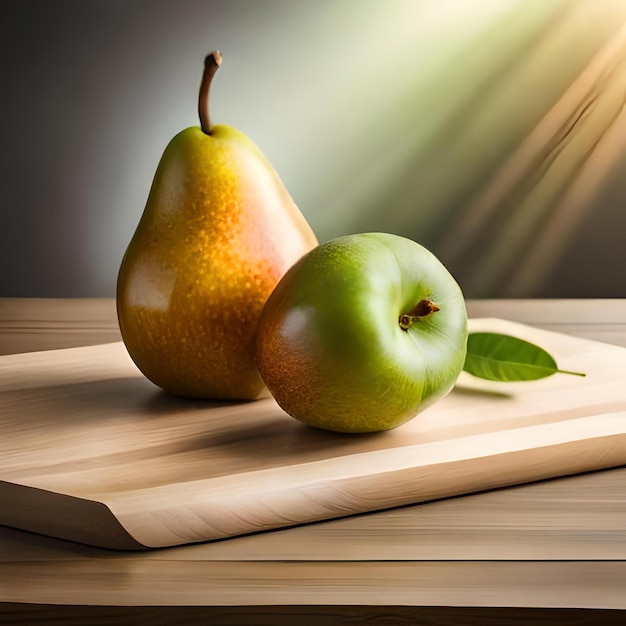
{"points": [[218, 231]]}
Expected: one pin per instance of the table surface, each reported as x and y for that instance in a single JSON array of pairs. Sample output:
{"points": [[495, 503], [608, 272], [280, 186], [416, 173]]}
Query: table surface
{"points": [[553, 551]]}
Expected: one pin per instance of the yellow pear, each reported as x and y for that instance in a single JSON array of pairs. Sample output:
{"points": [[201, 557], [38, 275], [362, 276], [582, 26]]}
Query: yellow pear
{"points": [[218, 232]]}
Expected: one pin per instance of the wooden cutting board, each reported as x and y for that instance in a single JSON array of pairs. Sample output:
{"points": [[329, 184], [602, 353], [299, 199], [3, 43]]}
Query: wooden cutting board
{"points": [[91, 451]]}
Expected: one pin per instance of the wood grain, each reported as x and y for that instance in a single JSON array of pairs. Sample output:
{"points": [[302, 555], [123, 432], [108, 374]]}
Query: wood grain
{"points": [[599, 320], [33, 324], [576, 524], [127, 582], [93, 449], [575, 518]]}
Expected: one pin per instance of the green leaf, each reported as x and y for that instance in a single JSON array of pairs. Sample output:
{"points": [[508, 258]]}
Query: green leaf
{"points": [[504, 358]]}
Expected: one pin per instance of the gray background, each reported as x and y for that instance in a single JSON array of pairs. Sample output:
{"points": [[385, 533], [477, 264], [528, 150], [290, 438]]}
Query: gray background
{"points": [[93, 90]]}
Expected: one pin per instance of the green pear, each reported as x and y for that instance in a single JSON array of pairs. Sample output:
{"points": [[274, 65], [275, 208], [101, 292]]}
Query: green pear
{"points": [[218, 232]]}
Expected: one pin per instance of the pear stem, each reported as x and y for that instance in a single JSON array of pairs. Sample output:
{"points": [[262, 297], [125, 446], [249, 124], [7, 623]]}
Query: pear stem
{"points": [[211, 63], [421, 309]]}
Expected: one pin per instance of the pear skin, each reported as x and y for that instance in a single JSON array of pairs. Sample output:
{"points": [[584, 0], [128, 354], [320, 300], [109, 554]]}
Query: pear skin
{"points": [[218, 232]]}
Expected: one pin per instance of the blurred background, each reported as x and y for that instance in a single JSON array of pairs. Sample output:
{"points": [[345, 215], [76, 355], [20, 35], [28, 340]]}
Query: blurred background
{"points": [[491, 131]]}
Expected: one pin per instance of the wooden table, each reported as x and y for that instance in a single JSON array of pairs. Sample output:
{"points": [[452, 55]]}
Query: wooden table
{"points": [[550, 552]]}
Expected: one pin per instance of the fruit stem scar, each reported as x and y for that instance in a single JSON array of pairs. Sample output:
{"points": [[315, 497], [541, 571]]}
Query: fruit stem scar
{"points": [[211, 64], [421, 309]]}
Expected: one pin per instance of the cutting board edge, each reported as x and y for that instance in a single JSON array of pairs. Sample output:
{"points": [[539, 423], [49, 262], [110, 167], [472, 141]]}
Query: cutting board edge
{"points": [[369, 493], [369, 463], [103, 529]]}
